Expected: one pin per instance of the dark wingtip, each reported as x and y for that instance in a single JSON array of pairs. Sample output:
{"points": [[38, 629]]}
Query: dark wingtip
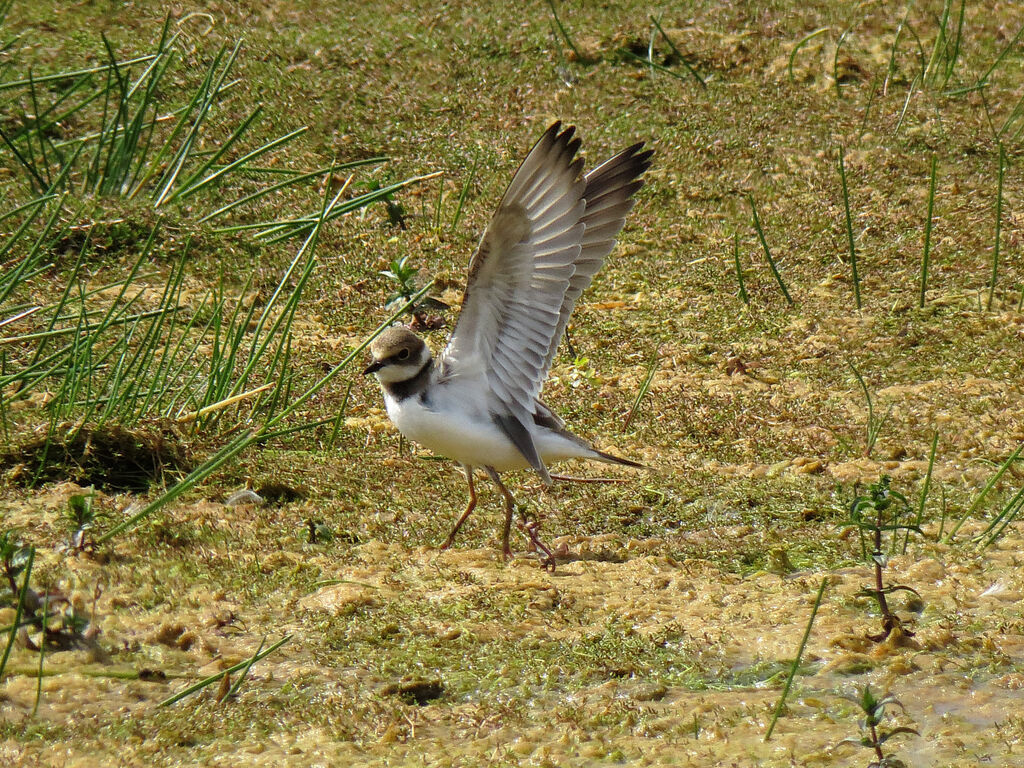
{"points": [[613, 459]]}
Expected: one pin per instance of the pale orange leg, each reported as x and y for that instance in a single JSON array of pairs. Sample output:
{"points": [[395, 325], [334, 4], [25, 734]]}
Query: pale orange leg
{"points": [[528, 527], [470, 506]]}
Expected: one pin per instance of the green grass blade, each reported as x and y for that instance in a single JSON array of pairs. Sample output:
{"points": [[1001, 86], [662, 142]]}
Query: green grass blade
{"points": [[984, 493], [464, 193], [924, 490], [195, 477], [233, 691], [926, 256], [73, 73], [777, 713], [997, 527], [240, 162], [645, 386], [767, 251], [983, 80], [19, 609], [800, 44], [565, 34], [999, 221], [206, 682], [849, 229], [288, 182], [682, 59]]}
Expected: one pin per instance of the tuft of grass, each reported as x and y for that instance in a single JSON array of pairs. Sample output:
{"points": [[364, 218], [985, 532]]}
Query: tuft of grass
{"points": [[135, 147]]}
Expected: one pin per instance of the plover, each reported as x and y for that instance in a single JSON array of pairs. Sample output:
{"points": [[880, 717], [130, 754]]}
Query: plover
{"points": [[478, 401]]}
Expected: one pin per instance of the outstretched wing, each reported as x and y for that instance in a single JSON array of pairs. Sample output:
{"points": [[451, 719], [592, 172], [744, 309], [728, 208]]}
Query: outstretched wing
{"points": [[609, 198], [517, 281], [549, 235]]}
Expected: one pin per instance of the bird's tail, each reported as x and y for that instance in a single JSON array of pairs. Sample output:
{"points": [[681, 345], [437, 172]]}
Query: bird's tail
{"points": [[613, 459]]}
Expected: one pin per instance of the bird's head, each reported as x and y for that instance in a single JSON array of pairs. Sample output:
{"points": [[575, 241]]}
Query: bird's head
{"points": [[398, 354]]}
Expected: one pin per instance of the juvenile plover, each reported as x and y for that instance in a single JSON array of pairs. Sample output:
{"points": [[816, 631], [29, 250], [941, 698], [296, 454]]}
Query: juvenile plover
{"points": [[477, 402]]}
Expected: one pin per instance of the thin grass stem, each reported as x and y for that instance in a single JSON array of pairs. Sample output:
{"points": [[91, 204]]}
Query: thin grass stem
{"points": [[679, 55], [924, 492], [645, 386], [74, 73], [849, 229], [999, 221], [767, 251], [565, 34], [215, 678], [927, 236], [796, 661], [800, 44], [984, 493], [18, 611]]}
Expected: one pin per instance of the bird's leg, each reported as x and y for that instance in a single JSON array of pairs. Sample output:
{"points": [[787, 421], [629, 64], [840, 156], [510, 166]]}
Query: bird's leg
{"points": [[469, 507], [510, 506], [530, 527]]}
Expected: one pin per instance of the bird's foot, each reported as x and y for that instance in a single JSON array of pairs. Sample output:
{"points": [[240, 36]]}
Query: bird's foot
{"points": [[531, 528]]}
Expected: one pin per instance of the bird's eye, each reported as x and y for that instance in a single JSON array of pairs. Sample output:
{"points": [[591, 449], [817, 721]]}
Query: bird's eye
{"points": [[403, 355]]}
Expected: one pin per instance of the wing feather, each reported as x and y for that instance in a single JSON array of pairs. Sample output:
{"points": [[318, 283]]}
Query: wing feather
{"points": [[549, 235], [610, 188]]}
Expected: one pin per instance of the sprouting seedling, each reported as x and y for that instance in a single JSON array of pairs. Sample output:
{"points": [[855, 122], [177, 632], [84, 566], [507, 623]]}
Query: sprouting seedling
{"points": [[81, 517], [396, 211], [872, 736], [14, 556], [49, 612], [875, 422], [404, 276], [882, 509]]}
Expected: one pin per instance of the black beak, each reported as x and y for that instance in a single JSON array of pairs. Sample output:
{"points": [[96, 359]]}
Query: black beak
{"points": [[373, 367]]}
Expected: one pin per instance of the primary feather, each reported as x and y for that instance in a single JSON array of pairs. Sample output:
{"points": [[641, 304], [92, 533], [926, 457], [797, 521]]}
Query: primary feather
{"points": [[548, 238]]}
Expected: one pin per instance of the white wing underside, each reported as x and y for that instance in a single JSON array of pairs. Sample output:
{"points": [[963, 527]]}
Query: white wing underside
{"points": [[549, 236]]}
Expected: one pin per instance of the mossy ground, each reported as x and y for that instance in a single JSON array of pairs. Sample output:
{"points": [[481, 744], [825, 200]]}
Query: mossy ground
{"points": [[665, 635]]}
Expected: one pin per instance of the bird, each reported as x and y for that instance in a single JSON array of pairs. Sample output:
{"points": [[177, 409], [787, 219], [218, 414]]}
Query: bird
{"points": [[478, 402]]}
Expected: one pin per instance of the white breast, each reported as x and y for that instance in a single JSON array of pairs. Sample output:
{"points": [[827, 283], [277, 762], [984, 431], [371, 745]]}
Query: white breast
{"points": [[454, 421]]}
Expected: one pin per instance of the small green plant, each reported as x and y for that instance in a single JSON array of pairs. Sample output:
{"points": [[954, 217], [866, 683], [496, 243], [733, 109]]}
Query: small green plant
{"points": [[872, 735], [81, 517], [14, 557], [395, 210], [875, 422], [404, 276], [882, 509]]}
